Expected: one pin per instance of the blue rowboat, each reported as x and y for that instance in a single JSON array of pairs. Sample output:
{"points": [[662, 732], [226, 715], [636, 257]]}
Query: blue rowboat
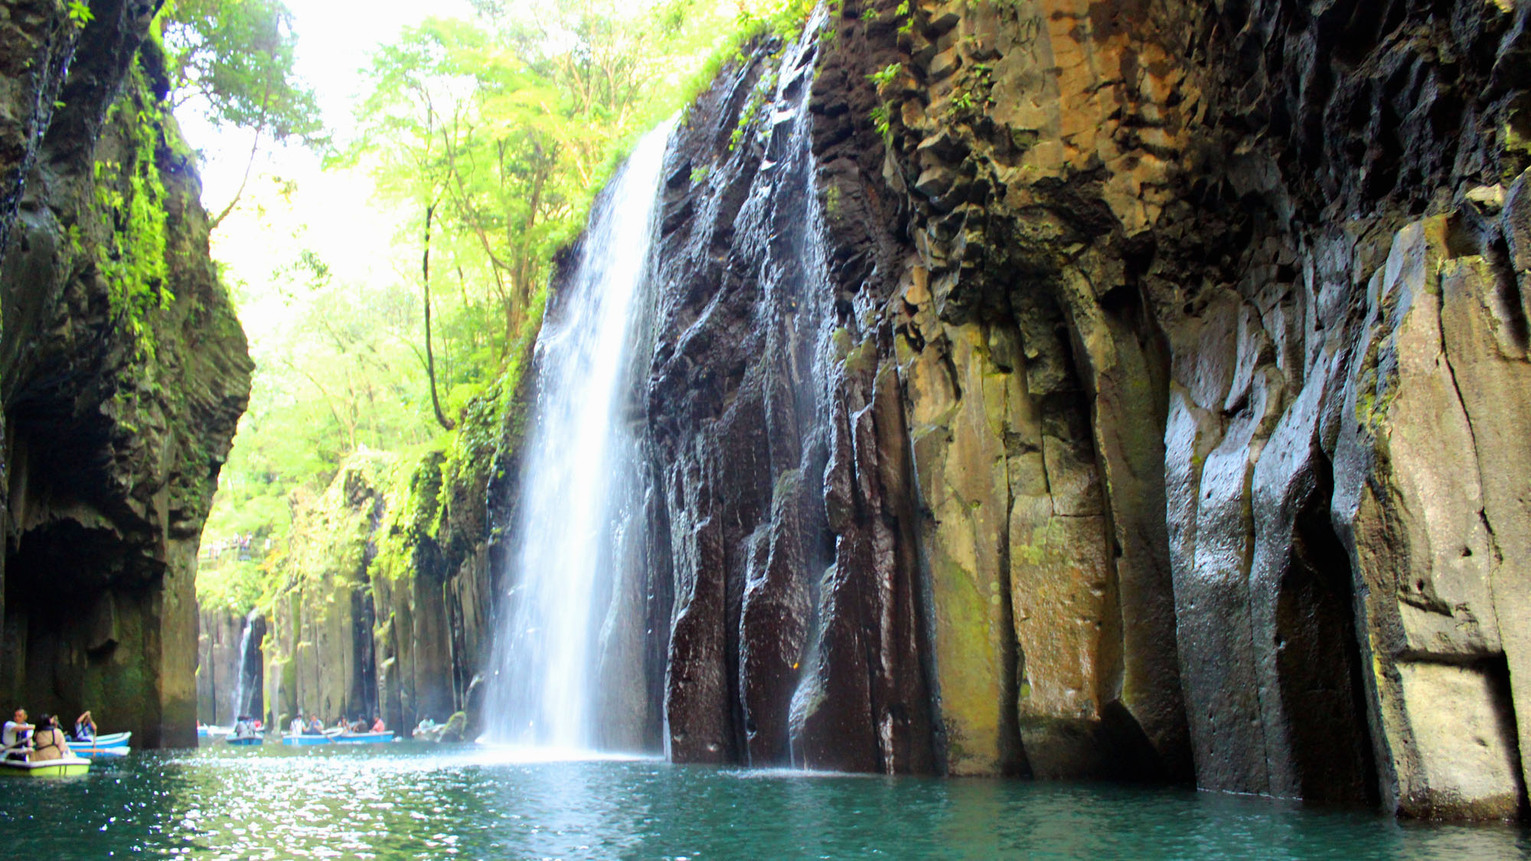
{"points": [[364, 737], [244, 740], [100, 752], [101, 742], [305, 738]]}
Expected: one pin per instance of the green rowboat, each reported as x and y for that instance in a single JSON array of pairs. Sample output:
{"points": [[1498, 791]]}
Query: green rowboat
{"points": [[71, 766]]}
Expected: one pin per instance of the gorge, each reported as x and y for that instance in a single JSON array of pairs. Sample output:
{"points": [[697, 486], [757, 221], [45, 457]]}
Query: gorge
{"points": [[1130, 390]]}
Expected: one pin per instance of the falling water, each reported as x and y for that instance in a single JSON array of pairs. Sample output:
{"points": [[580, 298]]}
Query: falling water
{"points": [[241, 670], [580, 462]]}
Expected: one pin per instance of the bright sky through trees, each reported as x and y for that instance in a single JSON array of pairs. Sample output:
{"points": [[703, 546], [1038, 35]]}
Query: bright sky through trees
{"points": [[392, 272]]}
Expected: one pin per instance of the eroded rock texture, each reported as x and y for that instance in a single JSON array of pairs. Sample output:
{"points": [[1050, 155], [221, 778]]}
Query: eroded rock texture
{"points": [[781, 459], [1113, 389], [123, 371]]}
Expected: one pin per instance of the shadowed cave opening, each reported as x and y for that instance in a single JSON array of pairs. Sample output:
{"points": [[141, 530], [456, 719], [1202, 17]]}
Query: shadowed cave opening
{"points": [[74, 636], [1318, 662]]}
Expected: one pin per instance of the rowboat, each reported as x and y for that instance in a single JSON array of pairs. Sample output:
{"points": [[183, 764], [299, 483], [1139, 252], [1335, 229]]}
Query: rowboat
{"points": [[364, 737], [245, 740], [99, 752], [115, 739], [69, 766], [305, 738]]}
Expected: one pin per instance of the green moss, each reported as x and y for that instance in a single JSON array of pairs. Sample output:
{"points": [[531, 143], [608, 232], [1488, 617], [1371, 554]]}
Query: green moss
{"points": [[130, 202]]}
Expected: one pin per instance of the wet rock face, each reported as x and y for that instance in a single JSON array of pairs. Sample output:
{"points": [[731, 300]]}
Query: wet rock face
{"points": [[37, 41], [1164, 369], [780, 456], [124, 372], [1193, 217]]}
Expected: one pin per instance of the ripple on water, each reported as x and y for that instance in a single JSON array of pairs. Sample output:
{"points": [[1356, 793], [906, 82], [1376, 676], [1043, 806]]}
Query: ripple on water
{"points": [[420, 801]]}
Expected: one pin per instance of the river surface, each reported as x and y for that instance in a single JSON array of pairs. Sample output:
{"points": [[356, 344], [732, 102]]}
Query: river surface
{"points": [[412, 800]]}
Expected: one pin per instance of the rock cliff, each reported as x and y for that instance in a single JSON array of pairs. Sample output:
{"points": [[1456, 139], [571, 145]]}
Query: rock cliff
{"points": [[1127, 389], [123, 371], [230, 665], [385, 580]]}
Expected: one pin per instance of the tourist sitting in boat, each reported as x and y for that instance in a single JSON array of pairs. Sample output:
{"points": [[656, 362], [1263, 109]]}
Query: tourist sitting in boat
{"points": [[84, 727], [297, 726], [377, 724], [48, 740], [314, 726], [16, 737], [242, 727]]}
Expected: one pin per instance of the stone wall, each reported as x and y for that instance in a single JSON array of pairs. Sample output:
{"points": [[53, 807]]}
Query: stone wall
{"points": [[1120, 389], [383, 599], [123, 371], [229, 644]]}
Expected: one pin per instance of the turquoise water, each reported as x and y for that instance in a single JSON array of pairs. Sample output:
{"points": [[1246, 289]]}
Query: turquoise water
{"points": [[422, 801]]}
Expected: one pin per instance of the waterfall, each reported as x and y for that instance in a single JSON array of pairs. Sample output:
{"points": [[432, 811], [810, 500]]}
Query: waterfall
{"points": [[241, 670], [580, 468]]}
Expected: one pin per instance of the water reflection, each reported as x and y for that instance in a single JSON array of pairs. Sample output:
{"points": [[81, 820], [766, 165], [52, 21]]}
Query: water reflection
{"points": [[423, 801]]}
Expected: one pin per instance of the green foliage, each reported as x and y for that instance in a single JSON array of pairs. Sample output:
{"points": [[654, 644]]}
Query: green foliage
{"points": [[881, 122], [236, 57], [79, 13], [747, 117], [130, 197], [973, 90], [886, 75], [505, 126]]}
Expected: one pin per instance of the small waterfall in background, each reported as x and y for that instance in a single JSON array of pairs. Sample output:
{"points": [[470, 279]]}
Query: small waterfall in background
{"points": [[580, 467], [241, 702]]}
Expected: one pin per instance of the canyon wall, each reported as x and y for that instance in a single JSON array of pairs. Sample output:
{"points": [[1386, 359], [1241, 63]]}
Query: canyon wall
{"points": [[385, 581], [230, 666], [123, 372], [1103, 390]]}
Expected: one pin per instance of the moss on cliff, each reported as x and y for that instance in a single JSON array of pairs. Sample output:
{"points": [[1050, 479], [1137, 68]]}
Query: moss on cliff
{"points": [[124, 370]]}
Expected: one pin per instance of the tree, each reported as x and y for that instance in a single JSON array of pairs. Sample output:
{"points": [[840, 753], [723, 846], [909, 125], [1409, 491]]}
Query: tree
{"points": [[235, 57]]}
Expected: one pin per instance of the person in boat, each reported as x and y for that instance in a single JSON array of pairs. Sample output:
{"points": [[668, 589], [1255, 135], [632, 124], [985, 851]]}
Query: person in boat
{"points": [[16, 736], [314, 726], [48, 741], [377, 724], [242, 728], [84, 727], [358, 725], [297, 726]]}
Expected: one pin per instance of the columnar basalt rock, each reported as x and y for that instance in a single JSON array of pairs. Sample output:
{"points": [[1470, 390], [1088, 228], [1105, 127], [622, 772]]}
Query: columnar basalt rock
{"points": [[229, 644], [124, 371], [386, 577], [1186, 342]]}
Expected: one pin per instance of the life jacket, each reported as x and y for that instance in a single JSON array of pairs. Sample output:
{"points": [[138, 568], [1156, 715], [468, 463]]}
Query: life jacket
{"points": [[48, 743]]}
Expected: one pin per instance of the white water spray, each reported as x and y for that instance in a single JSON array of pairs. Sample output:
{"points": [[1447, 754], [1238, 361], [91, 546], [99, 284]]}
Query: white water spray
{"points": [[241, 671], [580, 459]]}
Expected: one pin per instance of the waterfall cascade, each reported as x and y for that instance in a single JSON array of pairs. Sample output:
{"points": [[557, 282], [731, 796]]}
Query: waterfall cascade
{"points": [[241, 702], [581, 464]]}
